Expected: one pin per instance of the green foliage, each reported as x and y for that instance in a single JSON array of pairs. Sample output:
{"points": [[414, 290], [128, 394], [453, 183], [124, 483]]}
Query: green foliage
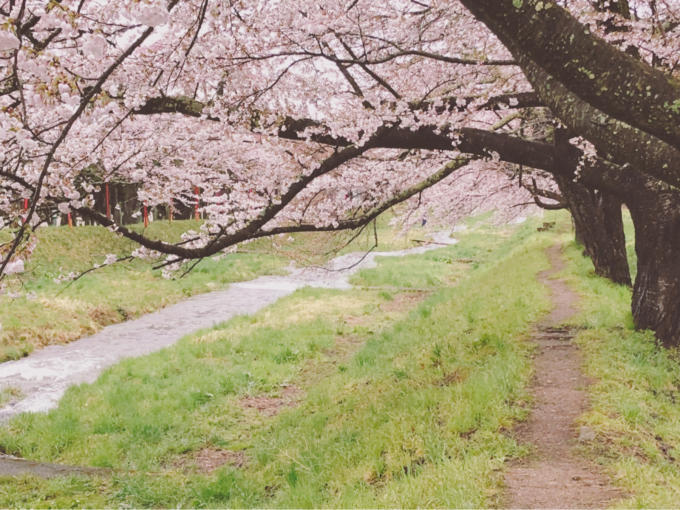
{"points": [[674, 106]]}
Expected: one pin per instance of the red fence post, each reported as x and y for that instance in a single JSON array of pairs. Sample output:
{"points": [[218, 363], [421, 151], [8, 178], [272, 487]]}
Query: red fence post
{"points": [[108, 201], [196, 213], [146, 216]]}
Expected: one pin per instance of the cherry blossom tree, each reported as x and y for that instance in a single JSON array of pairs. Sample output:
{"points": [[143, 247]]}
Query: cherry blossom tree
{"points": [[625, 103], [200, 94], [300, 116]]}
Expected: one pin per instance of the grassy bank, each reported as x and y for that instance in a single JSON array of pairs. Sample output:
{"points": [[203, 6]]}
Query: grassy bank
{"points": [[43, 312], [369, 397], [379, 396]]}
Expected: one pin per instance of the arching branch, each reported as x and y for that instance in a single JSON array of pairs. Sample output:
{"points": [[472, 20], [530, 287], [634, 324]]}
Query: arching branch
{"points": [[595, 71]]}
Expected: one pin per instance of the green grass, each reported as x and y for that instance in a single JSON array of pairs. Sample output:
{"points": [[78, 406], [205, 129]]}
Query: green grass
{"points": [[8, 394], [47, 313], [318, 247], [61, 492], [636, 395], [629, 232], [400, 404], [438, 268]]}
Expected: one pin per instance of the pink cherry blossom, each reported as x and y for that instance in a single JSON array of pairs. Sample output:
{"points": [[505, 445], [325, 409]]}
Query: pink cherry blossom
{"points": [[275, 111]]}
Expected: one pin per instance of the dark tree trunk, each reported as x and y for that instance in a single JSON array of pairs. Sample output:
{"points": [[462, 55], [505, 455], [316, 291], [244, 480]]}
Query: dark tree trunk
{"points": [[656, 294], [598, 226], [655, 209], [578, 233], [124, 202], [556, 41], [596, 213]]}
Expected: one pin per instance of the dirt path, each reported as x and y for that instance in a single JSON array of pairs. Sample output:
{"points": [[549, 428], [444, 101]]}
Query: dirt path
{"points": [[14, 466], [555, 476]]}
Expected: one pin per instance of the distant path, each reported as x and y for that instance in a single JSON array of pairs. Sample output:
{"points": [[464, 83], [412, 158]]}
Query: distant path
{"points": [[14, 466], [555, 476], [44, 376]]}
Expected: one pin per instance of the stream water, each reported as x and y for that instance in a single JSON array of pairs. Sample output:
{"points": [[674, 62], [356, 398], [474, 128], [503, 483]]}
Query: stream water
{"points": [[43, 377]]}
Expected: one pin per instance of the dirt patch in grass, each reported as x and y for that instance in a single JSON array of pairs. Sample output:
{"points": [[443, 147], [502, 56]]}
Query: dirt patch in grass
{"points": [[404, 301], [271, 406], [344, 346], [356, 320], [455, 377], [207, 460]]}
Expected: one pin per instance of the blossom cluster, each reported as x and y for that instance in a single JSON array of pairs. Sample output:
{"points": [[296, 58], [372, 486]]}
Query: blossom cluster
{"points": [[252, 102]]}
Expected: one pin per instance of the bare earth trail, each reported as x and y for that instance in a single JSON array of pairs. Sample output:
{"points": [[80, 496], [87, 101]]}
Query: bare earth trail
{"points": [[44, 376], [555, 476]]}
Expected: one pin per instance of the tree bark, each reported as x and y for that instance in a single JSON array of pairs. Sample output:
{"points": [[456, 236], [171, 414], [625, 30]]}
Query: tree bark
{"points": [[598, 226], [600, 74], [655, 209], [596, 212], [656, 294]]}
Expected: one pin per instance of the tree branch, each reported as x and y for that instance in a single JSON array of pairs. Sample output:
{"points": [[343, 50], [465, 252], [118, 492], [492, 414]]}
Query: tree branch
{"points": [[595, 71]]}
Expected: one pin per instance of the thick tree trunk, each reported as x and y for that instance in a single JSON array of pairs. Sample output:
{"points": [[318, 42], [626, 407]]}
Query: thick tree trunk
{"points": [[597, 217], [656, 294], [587, 65], [598, 227], [579, 234]]}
